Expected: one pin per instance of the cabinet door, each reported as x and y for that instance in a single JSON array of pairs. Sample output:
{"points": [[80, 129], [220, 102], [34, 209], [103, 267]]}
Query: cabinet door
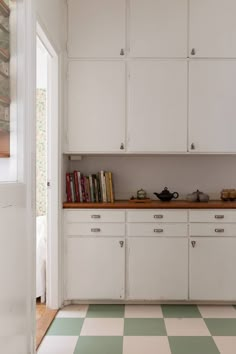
{"points": [[212, 106], [96, 106], [213, 28], [95, 268], [157, 268], [212, 268], [157, 112], [158, 28], [96, 28]]}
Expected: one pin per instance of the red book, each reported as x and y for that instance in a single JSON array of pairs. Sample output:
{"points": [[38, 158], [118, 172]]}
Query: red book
{"points": [[82, 179], [68, 188], [77, 198]]}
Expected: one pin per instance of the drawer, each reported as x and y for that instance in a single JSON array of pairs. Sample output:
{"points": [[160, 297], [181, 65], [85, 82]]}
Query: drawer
{"points": [[94, 215], [216, 215], [157, 215], [152, 229], [212, 229], [95, 229]]}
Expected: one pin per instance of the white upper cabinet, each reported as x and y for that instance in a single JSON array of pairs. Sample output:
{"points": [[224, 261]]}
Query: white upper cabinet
{"points": [[212, 28], [96, 28], [212, 106], [158, 28], [96, 106], [157, 106]]}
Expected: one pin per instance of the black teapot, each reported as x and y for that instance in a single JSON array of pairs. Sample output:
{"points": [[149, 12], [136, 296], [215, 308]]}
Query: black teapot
{"points": [[166, 196]]}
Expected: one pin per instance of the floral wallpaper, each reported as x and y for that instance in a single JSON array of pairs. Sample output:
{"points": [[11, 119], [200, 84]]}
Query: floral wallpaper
{"points": [[41, 152]]}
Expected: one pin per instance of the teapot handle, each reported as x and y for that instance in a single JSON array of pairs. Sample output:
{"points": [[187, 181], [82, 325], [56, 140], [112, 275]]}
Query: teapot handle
{"points": [[175, 195]]}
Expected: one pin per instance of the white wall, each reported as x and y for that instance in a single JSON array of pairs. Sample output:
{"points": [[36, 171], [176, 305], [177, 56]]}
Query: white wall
{"points": [[183, 174]]}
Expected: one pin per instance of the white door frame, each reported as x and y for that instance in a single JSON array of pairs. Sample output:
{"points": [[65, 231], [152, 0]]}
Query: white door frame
{"points": [[52, 262]]}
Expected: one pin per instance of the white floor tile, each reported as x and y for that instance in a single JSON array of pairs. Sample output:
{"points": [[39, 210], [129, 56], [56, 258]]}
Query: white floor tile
{"points": [[226, 345], [143, 345], [73, 311], [143, 311], [103, 327], [58, 345], [186, 327], [217, 312]]}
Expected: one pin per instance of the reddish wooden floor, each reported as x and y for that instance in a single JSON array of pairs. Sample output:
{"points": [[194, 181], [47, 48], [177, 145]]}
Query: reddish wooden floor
{"points": [[44, 318]]}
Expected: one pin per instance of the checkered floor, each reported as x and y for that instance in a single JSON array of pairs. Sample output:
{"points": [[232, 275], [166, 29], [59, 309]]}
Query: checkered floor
{"points": [[142, 329]]}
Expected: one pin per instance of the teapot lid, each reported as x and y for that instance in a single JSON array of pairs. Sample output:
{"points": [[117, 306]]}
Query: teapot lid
{"points": [[165, 191]]}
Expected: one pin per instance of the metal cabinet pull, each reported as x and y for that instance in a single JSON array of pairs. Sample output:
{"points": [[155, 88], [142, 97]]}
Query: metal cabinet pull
{"points": [[193, 51], [96, 216], [122, 146], [192, 146], [158, 216], [158, 230], [193, 243], [95, 230], [219, 230], [121, 243], [219, 216], [122, 52]]}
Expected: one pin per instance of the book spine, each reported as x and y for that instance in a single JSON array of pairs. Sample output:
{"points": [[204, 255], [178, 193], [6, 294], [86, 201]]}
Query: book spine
{"points": [[91, 189], [107, 187], [77, 198], [103, 187], [111, 187], [72, 187], [99, 187], [68, 188], [95, 184], [87, 188], [83, 188], [80, 187]]}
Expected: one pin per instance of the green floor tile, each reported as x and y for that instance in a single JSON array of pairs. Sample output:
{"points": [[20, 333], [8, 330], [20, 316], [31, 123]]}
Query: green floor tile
{"points": [[65, 327], [104, 311], [192, 345], [144, 327], [180, 311], [221, 326], [99, 345]]}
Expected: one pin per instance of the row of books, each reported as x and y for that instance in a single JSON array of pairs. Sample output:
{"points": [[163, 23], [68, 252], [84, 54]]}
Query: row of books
{"points": [[93, 188]]}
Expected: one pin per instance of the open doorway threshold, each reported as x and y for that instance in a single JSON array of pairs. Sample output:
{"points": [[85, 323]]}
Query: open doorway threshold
{"points": [[44, 318]]}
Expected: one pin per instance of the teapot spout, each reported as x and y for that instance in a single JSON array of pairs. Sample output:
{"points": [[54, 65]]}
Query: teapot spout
{"points": [[156, 194]]}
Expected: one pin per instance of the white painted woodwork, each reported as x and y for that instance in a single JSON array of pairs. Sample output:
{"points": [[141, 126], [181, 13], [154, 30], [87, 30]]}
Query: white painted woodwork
{"points": [[96, 28], [157, 215], [157, 269], [212, 269], [96, 106], [212, 229], [95, 268], [212, 105], [157, 106], [96, 229], [217, 216], [212, 28], [94, 215], [158, 28], [152, 229]]}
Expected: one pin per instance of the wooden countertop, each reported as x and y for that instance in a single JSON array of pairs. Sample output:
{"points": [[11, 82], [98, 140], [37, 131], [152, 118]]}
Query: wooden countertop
{"points": [[154, 204]]}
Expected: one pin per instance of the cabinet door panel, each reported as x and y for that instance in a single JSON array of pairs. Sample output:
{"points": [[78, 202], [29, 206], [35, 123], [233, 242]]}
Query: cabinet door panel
{"points": [[158, 28], [213, 28], [95, 268], [96, 28], [212, 269], [157, 269], [96, 106], [212, 105], [157, 106]]}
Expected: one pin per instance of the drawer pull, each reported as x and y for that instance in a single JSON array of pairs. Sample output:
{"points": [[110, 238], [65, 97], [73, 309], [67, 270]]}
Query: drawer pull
{"points": [[219, 216], [95, 230], [158, 230], [158, 216], [219, 230], [193, 243], [121, 243], [96, 216]]}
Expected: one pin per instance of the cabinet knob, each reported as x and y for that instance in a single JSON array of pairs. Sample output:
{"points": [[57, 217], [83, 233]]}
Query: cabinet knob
{"points": [[122, 52], [95, 216], [192, 146], [193, 243], [219, 230], [193, 51], [121, 243], [122, 146], [219, 216], [158, 230], [95, 230], [159, 216]]}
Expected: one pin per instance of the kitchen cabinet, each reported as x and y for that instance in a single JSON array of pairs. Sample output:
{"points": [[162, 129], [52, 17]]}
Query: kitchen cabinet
{"points": [[157, 106], [96, 29], [158, 28], [96, 106], [95, 268], [212, 106], [212, 28], [157, 268]]}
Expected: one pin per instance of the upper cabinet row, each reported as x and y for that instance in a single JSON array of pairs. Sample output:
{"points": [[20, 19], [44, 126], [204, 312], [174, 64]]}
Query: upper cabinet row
{"points": [[152, 28]]}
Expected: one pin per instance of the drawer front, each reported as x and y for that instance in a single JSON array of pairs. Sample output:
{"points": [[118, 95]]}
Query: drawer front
{"points": [[216, 215], [95, 229], [152, 229], [157, 215], [212, 229], [94, 215]]}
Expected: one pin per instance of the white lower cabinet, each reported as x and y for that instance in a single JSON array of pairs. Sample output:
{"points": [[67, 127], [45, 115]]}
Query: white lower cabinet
{"points": [[95, 268], [212, 268], [157, 268]]}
